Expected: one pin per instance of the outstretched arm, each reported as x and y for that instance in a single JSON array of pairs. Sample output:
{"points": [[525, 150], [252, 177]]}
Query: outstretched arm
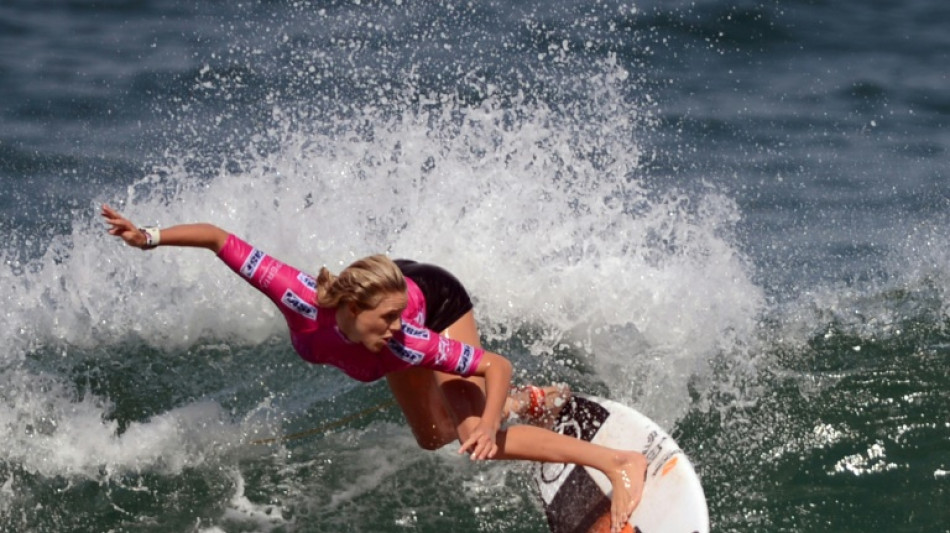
{"points": [[195, 235]]}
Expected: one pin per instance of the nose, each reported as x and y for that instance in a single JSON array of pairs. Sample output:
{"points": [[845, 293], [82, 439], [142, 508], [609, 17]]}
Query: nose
{"points": [[396, 325]]}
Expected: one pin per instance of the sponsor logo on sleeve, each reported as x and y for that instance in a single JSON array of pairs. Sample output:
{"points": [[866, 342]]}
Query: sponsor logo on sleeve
{"points": [[270, 273], [307, 280], [465, 360], [408, 355], [252, 262], [299, 305], [444, 347], [414, 332]]}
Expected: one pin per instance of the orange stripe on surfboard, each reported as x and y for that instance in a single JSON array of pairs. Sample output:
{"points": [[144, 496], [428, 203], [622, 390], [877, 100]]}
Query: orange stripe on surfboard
{"points": [[668, 466]]}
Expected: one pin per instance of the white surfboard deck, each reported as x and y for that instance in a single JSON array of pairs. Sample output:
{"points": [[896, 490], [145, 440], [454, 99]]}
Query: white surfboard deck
{"points": [[577, 499]]}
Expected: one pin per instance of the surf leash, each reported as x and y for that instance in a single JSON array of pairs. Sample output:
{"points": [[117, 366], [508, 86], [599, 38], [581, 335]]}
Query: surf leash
{"points": [[325, 427]]}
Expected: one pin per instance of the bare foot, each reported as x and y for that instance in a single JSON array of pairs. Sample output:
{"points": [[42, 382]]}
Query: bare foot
{"points": [[627, 480], [538, 406]]}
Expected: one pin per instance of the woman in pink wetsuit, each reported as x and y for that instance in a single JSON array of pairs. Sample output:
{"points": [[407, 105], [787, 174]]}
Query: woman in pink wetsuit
{"points": [[413, 324]]}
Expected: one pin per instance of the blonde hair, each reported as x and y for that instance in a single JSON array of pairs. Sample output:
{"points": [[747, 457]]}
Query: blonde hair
{"points": [[363, 283]]}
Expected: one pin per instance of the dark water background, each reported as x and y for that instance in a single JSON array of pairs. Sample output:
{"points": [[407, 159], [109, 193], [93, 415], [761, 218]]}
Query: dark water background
{"points": [[728, 214]]}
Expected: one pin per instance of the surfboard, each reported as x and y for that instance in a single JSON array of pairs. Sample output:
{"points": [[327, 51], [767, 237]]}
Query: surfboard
{"points": [[576, 499]]}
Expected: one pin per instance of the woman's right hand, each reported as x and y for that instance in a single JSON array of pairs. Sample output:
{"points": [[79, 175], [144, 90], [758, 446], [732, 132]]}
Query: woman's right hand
{"points": [[481, 444], [123, 228]]}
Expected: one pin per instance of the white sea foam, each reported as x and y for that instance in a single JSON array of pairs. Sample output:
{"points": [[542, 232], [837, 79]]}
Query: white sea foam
{"points": [[49, 432], [248, 515], [873, 461]]}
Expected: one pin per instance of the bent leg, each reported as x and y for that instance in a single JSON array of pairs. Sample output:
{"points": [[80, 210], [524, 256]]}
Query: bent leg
{"points": [[421, 393], [441, 407], [465, 397], [424, 406]]}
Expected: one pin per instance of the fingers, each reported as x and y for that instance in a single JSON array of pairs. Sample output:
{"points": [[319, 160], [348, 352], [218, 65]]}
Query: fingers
{"points": [[476, 443], [486, 449], [121, 227], [482, 446], [115, 219], [111, 215], [468, 443]]}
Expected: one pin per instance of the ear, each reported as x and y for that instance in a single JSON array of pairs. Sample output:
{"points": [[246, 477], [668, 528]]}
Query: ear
{"points": [[353, 309]]}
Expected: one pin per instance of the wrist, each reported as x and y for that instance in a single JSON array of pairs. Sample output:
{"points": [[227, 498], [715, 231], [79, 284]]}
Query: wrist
{"points": [[153, 236], [491, 422]]}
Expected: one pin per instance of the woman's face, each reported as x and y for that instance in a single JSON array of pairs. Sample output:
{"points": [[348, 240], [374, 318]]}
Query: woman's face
{"points": [[374, 327]]}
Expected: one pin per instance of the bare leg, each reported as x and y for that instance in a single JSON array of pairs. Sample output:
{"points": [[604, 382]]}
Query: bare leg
{"points": [[425, 407], [464, 396], [421, 396], [626, 470]]}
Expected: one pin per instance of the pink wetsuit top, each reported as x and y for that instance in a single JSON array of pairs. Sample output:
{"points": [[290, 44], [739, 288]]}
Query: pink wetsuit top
{"points": [[317, 338]]}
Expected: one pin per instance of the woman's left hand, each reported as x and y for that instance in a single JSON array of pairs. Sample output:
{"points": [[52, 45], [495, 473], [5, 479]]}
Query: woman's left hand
{"points": [[481, 441]]}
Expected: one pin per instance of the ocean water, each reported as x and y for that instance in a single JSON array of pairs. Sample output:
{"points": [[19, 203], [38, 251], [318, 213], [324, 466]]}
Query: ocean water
{"points": [[730, 215]]}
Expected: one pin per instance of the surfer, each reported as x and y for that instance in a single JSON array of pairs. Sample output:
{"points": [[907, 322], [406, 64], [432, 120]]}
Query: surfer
{"points": [[413, 324]]}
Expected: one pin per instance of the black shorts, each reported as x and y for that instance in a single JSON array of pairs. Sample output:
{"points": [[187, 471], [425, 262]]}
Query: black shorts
{"points": [[446, 298]]}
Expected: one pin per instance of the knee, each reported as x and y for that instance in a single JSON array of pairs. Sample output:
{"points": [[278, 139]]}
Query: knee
{"points": [[435, 439], [430, 444]]}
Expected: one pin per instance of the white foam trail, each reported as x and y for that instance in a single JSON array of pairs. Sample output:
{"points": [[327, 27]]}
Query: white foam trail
{"points": [[49, 432]]}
